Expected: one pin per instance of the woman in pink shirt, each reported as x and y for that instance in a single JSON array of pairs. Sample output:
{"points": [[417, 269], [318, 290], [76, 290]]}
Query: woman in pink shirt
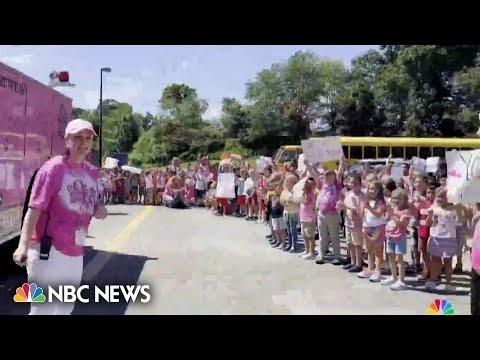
{"points": [[63, 200]]}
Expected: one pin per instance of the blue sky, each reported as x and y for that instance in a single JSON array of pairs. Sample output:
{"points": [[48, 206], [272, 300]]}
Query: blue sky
{"points": [[140, 73]]}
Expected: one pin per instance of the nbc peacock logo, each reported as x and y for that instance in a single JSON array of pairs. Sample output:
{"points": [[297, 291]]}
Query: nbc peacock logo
{"points": [[441, 307], [29, 293]]}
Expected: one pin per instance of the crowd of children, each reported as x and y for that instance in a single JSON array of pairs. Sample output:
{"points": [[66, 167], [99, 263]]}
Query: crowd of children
{"points": [[378, 217]]}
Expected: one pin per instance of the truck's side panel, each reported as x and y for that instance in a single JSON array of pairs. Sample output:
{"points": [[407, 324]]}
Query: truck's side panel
{"points": [[13, 97], [32, 121], [39, 124], [62, 114]]}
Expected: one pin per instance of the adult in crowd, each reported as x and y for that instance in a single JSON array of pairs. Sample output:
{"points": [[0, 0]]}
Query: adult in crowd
{"points": [[174, 194], [175, 166], [63, 200]]}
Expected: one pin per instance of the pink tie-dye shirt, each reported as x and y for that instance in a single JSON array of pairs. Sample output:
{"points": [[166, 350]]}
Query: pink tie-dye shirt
{"points": [[329, 195], [67, 194]]}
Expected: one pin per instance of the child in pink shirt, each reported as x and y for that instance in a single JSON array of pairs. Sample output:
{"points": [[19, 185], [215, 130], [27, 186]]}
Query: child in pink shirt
{"points": [[308, 218], [328, 219], [398, 219], [353, 223]]}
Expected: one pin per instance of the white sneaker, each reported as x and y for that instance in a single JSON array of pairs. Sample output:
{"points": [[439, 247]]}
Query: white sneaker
{"points": [[450, 288], [430, 285], [398, 286], [310, 257], [376, 277], [302, 254], [389, 281], [365, 274], [305, 255]]}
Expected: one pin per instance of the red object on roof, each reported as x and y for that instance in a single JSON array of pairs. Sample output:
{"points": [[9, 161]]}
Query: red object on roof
{"points": [[63, 76]]}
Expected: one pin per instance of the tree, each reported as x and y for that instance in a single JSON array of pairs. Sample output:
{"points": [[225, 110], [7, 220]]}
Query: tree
{"points": [[182, 104]]}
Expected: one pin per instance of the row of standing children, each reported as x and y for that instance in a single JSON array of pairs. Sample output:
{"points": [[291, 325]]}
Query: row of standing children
{"points": [[381, 218], [149, 186]]}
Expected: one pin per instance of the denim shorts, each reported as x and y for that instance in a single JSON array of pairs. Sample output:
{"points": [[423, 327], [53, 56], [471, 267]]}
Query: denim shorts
{"points": [[397, 247]]}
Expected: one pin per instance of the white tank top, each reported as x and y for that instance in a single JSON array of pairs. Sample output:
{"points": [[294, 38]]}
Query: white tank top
{"points": [[370, 220], [444, 225]]}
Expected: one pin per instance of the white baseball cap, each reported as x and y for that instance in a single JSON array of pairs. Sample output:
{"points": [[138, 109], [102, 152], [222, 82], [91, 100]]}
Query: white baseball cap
{"points": [[77, 125]]}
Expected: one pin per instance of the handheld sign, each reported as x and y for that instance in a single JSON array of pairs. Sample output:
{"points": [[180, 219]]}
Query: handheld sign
{"points": [[322, 150], [225, 186]]}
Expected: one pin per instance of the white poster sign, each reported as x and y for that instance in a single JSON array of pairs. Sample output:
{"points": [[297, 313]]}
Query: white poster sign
{"points": [[266, 159], [225, 186], [431, 164], [110, 163], [132, 169], [463, 176], [419, 165], [322, 150], [297, 190], [301, 164], [396, 173], [261, 165]]}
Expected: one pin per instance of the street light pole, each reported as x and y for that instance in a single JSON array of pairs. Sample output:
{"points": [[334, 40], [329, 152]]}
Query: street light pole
{"points": [[100, 130]]}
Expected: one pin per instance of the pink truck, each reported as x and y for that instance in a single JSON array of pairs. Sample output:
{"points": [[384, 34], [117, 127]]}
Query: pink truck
{"points": [[33, 117]]}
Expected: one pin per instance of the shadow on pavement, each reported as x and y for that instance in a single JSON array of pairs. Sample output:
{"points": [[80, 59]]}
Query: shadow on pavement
{"points": [[117, 269], [461, 282]]}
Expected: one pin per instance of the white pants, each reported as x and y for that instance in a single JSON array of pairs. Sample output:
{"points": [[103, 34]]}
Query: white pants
{"points": [[59, 269]]}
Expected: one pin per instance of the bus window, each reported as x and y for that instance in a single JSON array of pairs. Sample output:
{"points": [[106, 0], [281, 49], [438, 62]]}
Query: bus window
{"points": [[410, 151], [278, 154], [356, 152], [345, 151], [370, 152], [288, 156], [397, 152], [439, 152], [450, 149], [425, 152], [383, 152], [466, 149]]}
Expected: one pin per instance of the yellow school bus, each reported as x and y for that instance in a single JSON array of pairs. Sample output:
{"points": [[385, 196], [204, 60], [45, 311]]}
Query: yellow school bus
{"points": [[357, 148]]}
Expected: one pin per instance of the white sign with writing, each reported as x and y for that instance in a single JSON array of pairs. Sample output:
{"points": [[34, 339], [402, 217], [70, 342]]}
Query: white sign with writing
{"points": [[396, 173], [419, 165], [322, 150], [297, 191], [431, 164], [261, 165], [301, 164], [110, 163], [225, 186], [463, 176]]}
